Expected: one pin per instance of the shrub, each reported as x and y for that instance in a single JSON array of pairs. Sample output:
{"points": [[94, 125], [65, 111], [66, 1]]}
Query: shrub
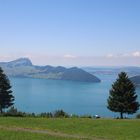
{"points": [[86, 116], [13, 112], [48, 115], [138, 116], [60, 114], [74, 116]]}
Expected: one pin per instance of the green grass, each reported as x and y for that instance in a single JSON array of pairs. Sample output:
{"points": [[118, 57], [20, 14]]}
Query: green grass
{"points": [[96, 128], [11, 135]]}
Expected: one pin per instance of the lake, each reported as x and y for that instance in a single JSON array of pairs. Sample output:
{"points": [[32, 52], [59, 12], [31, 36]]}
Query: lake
{"points": [[42, 95]]}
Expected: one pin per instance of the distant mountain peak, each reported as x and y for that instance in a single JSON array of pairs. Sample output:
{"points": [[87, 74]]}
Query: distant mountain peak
{"points": [[21, 62], [22, 59]]}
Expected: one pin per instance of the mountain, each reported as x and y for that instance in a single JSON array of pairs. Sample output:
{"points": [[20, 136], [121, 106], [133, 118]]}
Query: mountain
{"points": [[136, 80], [23, 67], [131, 70], [18, 62]]}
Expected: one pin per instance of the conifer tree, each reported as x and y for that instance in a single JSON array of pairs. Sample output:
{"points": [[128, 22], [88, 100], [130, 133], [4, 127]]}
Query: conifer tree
{"points": [[6, 97], [123, 96]]}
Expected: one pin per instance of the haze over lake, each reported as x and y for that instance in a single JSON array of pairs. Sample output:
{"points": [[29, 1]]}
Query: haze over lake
{"points": [[42, 95]]}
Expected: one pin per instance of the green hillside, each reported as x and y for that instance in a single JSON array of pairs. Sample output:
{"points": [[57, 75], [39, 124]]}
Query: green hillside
{"points": [[68, 129]]}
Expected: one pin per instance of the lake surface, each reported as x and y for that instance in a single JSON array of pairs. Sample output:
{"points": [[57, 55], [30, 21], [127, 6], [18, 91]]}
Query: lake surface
{"points": [[42, 95]]}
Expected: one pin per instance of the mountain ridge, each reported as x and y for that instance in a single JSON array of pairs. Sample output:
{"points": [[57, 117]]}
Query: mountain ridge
{"points": [[23, 67], [136, 80]]}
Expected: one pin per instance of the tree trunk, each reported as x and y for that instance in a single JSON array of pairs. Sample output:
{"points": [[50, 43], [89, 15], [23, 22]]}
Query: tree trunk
{"points": [[121, 115], [1, 110]]}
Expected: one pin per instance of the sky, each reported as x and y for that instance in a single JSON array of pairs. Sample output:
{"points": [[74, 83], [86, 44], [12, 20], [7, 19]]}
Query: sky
{"points": [[71, 32]]}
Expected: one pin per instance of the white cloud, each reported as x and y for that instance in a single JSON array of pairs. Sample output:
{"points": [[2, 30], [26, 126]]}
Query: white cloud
{"points": [[110, 56], [6, 57], [69, 56], [136, 54], [124, 55]]}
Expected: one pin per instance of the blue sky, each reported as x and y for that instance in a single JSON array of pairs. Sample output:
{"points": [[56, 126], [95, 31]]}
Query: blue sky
{"points": [[71, 32]]}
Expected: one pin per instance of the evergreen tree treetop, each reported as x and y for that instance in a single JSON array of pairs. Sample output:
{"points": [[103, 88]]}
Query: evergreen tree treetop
{"points": [[123, 96], [6, 97]]}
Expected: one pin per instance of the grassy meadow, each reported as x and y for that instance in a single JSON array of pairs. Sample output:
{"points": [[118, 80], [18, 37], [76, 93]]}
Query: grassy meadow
{"points": [[12, 128]]}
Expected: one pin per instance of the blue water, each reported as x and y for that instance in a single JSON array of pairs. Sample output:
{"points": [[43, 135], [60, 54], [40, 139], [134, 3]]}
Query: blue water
{"points": [[42, 95]]}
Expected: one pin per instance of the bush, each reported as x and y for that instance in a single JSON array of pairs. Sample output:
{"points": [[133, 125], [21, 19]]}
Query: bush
{"points": [[74, 116], [48, 115], [60, 114], [13, 112], [138, 116], [86, 116]]}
